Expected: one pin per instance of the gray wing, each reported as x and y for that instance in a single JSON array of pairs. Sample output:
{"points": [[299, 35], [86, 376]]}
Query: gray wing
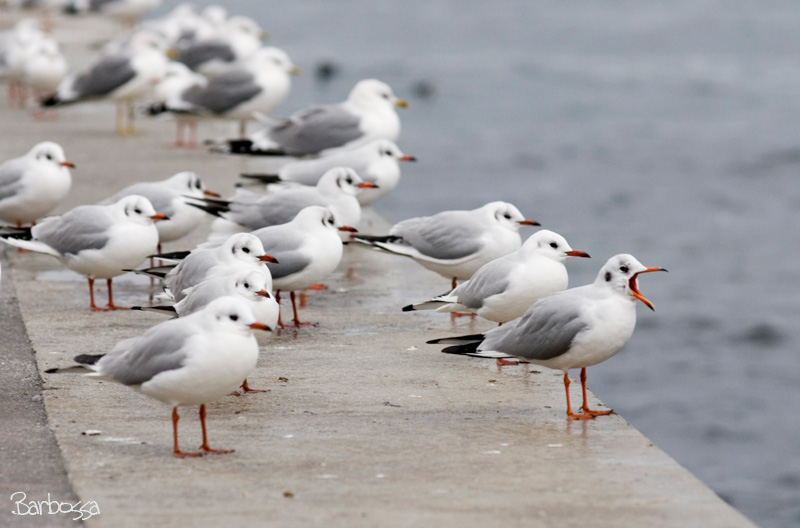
{"points": [[547, 329], [492, 279], [10, 175], [199, 53], [104, 77], [274, 209], [80, 229], [316, 129], [287, 250], [446, 236], [137, 360], [223, 92]]}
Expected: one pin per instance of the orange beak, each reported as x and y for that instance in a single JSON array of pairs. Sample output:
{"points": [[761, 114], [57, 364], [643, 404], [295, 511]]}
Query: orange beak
{"points": [[211, 193], [529, 222], [159, 216], [635, 289], [68, 164], [367, 185], [262, 293], [268, 258], [406, 157], [349, 229], [578, 253], [260, 326]]}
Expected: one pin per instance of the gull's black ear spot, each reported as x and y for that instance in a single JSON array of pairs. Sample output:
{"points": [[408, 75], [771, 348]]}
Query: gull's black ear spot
{"points": [[608, 276]]}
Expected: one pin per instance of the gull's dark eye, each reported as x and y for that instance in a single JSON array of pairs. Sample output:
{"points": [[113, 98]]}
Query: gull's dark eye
{"points": [[246, 285], [385, 96], [624, 269], [137, 211], [507, 216], [48, 156], [553, 245], [245, 250], [389, 153], [233, 317], [349, 180]]}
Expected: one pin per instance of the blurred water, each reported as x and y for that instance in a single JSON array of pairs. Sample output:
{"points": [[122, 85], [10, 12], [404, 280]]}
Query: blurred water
{"points": [[665, 129]]}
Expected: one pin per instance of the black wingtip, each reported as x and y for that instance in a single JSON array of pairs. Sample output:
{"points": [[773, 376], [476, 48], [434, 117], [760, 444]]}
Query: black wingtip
{"points": [[88, 359], [266, 179], [409, 308]]}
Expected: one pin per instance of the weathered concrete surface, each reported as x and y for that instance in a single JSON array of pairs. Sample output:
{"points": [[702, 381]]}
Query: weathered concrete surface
{"points": [[363, 424]]}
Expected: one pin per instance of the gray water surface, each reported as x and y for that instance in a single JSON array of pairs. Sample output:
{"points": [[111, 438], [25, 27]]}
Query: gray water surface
{"points": [[668, 130]]}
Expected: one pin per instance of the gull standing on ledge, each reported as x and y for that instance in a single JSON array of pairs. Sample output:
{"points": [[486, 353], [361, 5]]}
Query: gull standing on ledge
{"points": [[98, 241], [574, 328], [189, 360], [124, 76], [33, 185], [367, 114], [455, 244]]}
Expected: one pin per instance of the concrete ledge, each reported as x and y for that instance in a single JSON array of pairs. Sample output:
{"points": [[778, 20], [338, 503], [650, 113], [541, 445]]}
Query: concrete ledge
{"points": [[363, 424]]}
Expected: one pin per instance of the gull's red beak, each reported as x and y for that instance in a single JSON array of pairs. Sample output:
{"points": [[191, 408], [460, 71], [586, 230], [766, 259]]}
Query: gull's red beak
{"points": [[212, 193], [406, 157], [67, 164], [578, 253], [349, 229], [268, 258], [260, 326], [635, 289], [159, 216], [367, 185], [529, 222], [262, 293]]}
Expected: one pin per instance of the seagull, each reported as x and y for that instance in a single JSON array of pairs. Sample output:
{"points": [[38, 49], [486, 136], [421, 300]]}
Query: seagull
{"points": [[33, 185], [16, 50], [377, 161], [367, 114], [44, 69], [98, 241], [235, 40], [455, 244], [506, 287], [337, 189], [189, 360], [308, 249], [170, 198], [574, 328], [240, 251], [256, 87], [124, 76], [177, 78]]}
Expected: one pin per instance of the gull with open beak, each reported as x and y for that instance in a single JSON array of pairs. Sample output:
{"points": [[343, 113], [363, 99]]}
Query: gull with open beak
{"points": [[575, 328]]}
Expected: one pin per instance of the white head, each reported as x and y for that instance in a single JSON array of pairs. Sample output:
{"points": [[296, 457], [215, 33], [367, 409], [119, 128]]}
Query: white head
{"points": [[253, 285], [620, 272], [551, 245], [373, 93], [138, 209], [340, 180], [231, 314], [189, 183], [506, 215], [273, 58], [246, 248], [49, 153]]}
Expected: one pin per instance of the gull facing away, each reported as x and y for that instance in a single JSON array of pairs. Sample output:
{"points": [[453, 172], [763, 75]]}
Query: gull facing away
{"points": [[98, 241], [336, 190], [377, 161], [34, 184], [169, 197], [367, 114], [574, 328], [124, 76], [455, 244], [189, 360], [506, 287]]}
